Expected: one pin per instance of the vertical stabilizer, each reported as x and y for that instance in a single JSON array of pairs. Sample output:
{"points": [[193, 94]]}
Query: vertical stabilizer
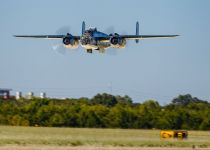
{"points": [[137, 31], [83, 27]]}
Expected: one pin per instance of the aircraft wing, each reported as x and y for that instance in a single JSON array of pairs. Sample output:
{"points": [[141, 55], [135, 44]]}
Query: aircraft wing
{"points": [[45, 36], [136, 37]]}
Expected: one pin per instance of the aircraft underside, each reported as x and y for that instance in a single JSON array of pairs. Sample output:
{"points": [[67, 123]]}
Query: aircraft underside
{"points": [[100, 46]]}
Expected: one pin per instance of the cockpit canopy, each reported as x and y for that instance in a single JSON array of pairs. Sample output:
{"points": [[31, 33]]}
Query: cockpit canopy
{"points": [[93, 29], [90, 30]]}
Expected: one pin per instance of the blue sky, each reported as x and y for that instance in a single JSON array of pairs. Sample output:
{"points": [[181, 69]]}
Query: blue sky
{"points": [[159, 69]]}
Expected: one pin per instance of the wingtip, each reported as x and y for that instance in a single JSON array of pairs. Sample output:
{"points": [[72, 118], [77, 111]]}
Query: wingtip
{"points": [[175, 35], [16, 36]]}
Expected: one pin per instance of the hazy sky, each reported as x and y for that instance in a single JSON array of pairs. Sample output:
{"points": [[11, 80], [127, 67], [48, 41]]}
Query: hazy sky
{"points": [[159, 69]]}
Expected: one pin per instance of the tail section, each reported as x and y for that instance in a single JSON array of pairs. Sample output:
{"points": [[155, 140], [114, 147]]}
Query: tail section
{"points": [[83, 27], [137, 31]]}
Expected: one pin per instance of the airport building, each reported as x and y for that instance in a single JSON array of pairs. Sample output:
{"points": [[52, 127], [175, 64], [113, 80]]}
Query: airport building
{"points": [[5, 93]]}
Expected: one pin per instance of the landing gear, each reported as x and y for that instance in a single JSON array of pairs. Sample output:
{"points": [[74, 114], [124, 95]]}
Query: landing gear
{"points": [[89, 51]]}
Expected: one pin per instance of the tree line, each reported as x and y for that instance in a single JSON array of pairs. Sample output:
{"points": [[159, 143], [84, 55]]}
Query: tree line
{"points": [[107, 111]]}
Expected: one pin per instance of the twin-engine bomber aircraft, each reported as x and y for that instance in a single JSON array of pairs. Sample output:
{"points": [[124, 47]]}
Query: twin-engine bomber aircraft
{"points": [[92, 39]]}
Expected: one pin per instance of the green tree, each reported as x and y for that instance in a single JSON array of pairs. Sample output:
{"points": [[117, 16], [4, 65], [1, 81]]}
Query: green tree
{"points": [[104, 99], [186, 99]]}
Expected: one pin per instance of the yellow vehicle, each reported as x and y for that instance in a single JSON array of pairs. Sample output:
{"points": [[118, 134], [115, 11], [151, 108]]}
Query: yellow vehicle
{"points": [[180, 134]]}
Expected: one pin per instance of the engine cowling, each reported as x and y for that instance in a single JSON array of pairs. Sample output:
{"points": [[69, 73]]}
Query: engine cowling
{"points": [[117, 41], [70, 42]]}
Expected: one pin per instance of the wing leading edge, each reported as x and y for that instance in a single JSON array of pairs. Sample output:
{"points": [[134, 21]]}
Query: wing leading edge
{"points": [[137, 37], [131, 37], [134, 37], [45, 36]]}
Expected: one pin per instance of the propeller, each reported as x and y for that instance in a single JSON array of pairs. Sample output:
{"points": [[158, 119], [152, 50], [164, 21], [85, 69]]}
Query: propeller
{"points": [[109, 30], [59, 48], [57, 45], [113, 51], [110, 51], [63, 30]]}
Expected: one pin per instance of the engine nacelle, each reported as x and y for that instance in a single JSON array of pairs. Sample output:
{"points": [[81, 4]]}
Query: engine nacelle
{"points": [[117, 42], [70, 42]]}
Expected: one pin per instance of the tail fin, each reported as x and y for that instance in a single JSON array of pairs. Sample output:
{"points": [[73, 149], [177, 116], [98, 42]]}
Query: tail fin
{"points": [[83, 27], [137, 31]]}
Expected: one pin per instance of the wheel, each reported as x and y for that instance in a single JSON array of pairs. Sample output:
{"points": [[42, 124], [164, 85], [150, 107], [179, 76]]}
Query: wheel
{"points": [[89, 51]]}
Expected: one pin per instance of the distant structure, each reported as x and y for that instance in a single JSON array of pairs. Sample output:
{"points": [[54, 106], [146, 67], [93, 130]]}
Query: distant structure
{"points": [[5, 93], [30, 95], [42, 95], [18, 95]]}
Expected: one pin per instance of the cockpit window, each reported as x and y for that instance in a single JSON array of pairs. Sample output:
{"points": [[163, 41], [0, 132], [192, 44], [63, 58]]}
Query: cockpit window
{"points": [[90, 31]]}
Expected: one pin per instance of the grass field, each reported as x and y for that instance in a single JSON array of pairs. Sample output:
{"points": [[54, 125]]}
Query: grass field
{"points": [[75, 139]]}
